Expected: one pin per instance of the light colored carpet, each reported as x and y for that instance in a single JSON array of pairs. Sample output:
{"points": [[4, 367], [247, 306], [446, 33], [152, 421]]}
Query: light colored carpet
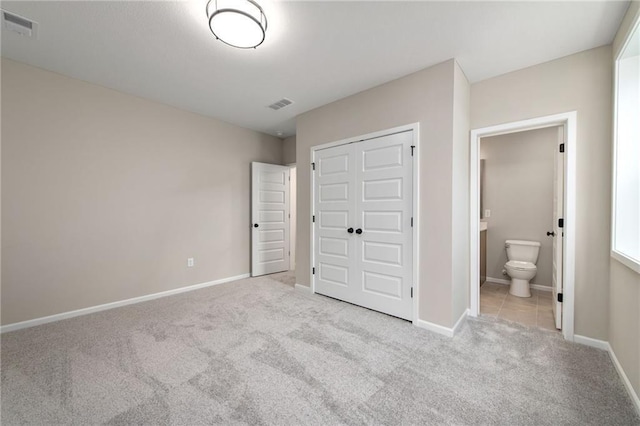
{"points": [[256, 351]]}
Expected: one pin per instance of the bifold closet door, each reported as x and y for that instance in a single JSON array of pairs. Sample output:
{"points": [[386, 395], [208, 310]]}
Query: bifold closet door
{"points": [[363, 236]]}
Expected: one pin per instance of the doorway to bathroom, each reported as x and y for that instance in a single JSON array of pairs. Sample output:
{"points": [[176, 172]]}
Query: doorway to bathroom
{"points": [[522, 228]]}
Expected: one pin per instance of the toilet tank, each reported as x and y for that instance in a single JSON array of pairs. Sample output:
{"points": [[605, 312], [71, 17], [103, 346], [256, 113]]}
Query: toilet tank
{"points": [[524, 251]]}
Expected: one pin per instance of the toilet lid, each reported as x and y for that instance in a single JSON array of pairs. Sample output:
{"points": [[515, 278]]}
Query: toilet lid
{"points": [[521, 266]]}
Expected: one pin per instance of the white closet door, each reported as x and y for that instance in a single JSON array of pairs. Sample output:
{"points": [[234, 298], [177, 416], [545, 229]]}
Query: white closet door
{"points": [[334, 193], [270, 217], [384, 204], [363, 236]]}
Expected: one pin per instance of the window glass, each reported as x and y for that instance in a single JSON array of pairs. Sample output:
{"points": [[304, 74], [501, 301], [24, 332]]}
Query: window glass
{"points": [[626, 207]]}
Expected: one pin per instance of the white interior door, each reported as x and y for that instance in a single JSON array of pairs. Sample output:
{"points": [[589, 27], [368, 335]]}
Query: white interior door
{"points": [[558, 213], [363, 236], [270, 218]]}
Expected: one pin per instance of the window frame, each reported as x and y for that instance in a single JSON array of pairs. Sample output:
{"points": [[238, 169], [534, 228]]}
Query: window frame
{"points": [[625, 259]]}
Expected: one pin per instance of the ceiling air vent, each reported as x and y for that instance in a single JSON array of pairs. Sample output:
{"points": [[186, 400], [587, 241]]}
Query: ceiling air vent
{"points": [[284, 102], [18, 24]]}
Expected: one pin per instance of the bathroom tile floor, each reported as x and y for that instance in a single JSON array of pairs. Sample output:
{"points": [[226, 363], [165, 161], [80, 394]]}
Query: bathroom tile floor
{"points": [[536, 310]]}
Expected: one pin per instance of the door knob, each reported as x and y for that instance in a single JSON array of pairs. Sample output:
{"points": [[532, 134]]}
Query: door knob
{"points": [[350, 230], [358, 231], [255, 225], [552, 234]]}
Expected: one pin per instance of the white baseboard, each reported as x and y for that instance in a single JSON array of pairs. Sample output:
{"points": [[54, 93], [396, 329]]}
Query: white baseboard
{"points": [[588, 341], [461, 320], [445, 331], [601, 344], [627, 383], [303, 288], [66, 315], [508, 282]]}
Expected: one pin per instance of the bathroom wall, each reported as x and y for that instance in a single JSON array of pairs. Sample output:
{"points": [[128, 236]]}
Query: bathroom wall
{"points": [[518, 189]]}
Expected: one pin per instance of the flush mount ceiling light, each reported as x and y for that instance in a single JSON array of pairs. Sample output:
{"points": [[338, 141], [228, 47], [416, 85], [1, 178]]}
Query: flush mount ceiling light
{"points": [[238, 23]]}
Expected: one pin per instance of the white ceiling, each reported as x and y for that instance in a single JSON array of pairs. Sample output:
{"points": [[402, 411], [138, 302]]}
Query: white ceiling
{"points": [[315, 52]]}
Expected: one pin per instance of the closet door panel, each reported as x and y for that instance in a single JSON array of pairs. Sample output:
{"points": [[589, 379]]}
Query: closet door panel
{"points": [[335, 214], [384, 203]]}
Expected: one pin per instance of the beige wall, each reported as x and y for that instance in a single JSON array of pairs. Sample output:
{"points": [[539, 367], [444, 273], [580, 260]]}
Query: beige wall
{"points": [[580, 82], [289, 150], [106, 195], [624, 298], [426, 97], [518, 189], [460, 194]]}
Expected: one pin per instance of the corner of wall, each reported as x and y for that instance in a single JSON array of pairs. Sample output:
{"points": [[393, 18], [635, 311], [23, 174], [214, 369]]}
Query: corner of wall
{"points": [[460, 195]]}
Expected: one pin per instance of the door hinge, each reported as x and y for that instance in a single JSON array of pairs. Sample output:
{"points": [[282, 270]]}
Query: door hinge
{"points": [[412, 222], [560, 223], [313, 166], [561, 147], [412, 292], [313, 218], [313, 271], [412, 148], [560, 297]]}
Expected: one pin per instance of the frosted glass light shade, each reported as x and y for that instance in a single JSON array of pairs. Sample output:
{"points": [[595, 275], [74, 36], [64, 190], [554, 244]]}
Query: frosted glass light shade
{"points": [[238, 23]]}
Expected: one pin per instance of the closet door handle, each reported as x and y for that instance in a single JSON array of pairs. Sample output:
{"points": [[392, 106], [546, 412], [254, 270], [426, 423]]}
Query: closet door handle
{"points": [[255, 225], [551, 234], [350, 230], [358, 231]]}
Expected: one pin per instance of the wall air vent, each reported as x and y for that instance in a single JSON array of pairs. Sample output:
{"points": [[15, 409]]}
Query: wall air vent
{"points": [[284, 102], [19, 24]]}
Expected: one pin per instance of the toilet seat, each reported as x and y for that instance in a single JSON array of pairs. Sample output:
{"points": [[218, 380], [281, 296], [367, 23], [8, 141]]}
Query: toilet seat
{"points": [[521, 266]]}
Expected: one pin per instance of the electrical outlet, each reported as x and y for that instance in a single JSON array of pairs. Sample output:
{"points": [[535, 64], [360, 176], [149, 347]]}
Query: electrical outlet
{"points": [[487, 213], [190, 262]]}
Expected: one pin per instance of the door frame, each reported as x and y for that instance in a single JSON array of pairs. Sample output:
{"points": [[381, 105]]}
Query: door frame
{"points": [[415, 128], [569, 121], [293, 210]]}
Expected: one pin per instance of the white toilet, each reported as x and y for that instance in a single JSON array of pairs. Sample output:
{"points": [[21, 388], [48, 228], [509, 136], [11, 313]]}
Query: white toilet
{"points": [[521, 266]]}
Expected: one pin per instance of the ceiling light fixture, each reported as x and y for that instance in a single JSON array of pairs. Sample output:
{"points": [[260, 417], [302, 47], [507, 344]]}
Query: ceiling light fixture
{"points": [[238, 23]]}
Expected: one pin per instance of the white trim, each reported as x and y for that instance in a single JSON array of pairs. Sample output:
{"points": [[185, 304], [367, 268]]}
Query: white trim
{"points": [[445, 331], [627, 383], [303, 288], [625, 260], [461, 320], [588, 341], [416, 221], [508, 282], [90, 310], [621, 257], [601, 344], [499, 281], [569, 121], [440, 329], [415, 129]]}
